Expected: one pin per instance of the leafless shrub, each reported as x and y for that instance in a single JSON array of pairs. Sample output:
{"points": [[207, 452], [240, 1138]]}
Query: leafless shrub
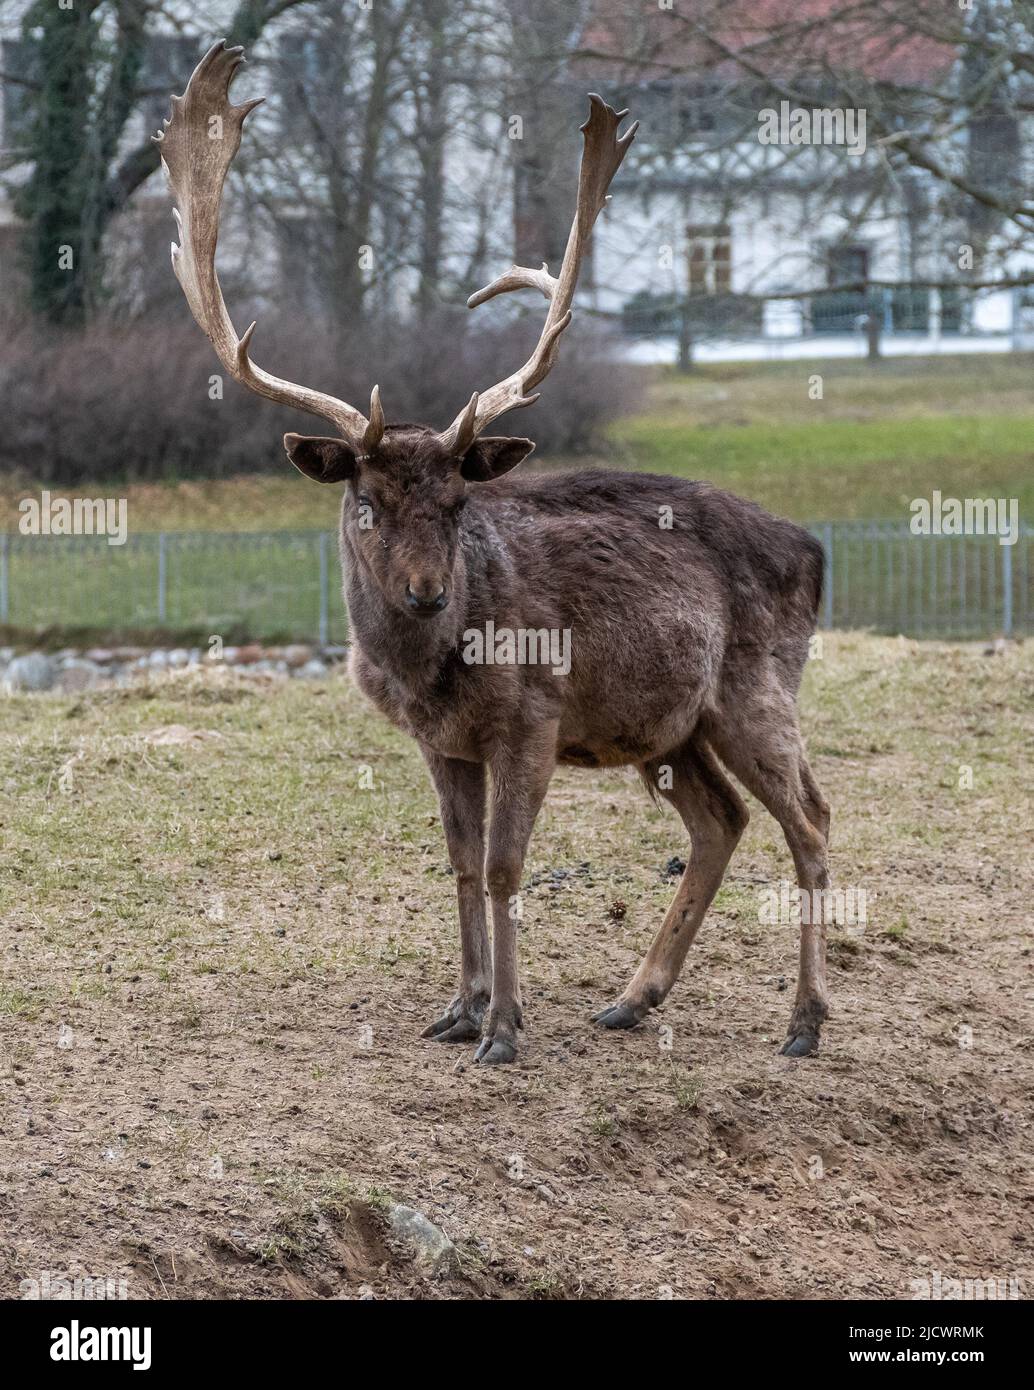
{"points": [[147, 400]]}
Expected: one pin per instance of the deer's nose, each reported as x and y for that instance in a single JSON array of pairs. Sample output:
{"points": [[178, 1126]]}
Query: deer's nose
{"points": [[425, 596]]}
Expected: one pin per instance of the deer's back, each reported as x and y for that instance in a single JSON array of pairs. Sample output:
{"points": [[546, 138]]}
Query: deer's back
{"points": [[669, 590], [647, 540]]}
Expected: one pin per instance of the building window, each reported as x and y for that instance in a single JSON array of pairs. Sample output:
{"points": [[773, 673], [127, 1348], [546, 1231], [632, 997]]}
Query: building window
{"points": [[677, 112], [847, 265], [710, 259]]}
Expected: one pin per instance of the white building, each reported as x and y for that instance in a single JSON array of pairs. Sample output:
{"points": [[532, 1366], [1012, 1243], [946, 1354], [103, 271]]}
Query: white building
{"points": [[738, 248]]}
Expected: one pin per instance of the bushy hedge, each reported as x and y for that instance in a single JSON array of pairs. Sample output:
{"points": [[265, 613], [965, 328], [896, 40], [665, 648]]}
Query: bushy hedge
{"points": [[133, 401]]}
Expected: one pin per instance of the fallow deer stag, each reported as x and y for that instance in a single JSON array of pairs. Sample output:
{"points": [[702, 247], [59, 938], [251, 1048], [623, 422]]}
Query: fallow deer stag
{"points": [[689, 613]]}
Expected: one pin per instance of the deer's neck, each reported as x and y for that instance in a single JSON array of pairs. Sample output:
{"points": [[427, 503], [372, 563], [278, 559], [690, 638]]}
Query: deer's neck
{"points": [[413, 652]]}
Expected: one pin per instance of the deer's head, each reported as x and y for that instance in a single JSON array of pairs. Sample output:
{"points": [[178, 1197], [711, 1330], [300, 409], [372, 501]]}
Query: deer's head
{"points": [[405, 500], [407, 483]]}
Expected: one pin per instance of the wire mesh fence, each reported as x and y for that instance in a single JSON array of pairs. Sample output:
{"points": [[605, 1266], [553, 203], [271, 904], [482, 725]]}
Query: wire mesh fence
{"points": [[882, 576], [275, 585], [265, 585]]}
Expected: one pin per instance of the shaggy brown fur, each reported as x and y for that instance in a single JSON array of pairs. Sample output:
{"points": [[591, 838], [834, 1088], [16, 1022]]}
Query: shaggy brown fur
{"points": [[675, 617], [689, 613]]}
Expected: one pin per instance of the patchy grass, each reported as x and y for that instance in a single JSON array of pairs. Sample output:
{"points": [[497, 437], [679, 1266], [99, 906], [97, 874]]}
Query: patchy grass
{"points": [[879, 436], [227, 951]]}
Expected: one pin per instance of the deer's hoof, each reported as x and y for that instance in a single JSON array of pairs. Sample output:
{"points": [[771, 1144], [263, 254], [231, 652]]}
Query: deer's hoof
{"points": [[493, 1052], [800, 1045], [461, 1022], [619, 1016]]}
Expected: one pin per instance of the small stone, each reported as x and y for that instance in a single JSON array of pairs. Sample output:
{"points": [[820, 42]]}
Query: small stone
{"points": [[297, 655], [34, 671], [179, 656], [429, 1243], [314, 669], [77, 674]]}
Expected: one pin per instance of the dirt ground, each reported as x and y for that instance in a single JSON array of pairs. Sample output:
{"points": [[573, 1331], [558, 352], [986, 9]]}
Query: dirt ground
{"points": [[218, 954]]}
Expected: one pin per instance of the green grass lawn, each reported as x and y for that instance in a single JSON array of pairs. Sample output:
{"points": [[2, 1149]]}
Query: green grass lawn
{"points": [[879, 437]]}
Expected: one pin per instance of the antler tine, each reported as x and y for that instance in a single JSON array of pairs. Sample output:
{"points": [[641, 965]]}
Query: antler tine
{"points": [[603, 152], [464, 431], [198, 144], [375, 429], [518, 277]]}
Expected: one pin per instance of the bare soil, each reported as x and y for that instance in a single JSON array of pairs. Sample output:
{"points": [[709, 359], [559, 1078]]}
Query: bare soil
{"points": [[217, 958]]}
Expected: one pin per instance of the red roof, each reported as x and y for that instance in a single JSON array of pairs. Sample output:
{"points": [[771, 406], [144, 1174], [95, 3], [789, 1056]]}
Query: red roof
{"points": [[785, 38]]}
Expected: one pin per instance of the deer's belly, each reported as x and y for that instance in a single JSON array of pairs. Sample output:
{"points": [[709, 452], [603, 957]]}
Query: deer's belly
{"points": [[635, 732]]}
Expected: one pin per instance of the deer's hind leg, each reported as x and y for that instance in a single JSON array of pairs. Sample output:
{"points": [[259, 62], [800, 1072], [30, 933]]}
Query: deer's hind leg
{"points": [[763, 748], [715, 816]]}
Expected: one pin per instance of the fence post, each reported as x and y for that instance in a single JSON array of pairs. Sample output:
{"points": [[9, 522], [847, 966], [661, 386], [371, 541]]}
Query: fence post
{"points": [[324, 598], [162, 580], [1007, 590], [827, 546], [5, 593]]}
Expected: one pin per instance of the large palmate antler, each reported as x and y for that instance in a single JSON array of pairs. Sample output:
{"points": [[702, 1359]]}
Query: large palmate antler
{"points": [[197, 146], [601, 158]]}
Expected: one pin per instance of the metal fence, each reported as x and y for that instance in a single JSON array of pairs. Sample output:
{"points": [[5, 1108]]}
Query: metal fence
{"points": [[283, 584], [881, 576], [260, 584]]}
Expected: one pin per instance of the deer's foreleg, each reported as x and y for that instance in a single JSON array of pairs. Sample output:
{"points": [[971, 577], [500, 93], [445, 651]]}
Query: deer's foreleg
{"points": [[520, 775], [461, 795]]}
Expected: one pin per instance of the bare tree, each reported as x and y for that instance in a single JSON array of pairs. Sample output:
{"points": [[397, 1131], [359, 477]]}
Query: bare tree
{"points": [[948, 93]]}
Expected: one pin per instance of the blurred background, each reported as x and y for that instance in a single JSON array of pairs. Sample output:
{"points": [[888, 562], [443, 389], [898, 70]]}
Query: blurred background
{"points": [[832, 331]]}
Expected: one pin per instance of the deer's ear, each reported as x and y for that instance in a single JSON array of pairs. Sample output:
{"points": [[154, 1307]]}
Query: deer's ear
{"points": [[323, 460], [490, 458]]}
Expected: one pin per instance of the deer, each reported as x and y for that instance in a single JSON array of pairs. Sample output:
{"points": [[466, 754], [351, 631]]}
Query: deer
{"points": [[689, 611]]}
